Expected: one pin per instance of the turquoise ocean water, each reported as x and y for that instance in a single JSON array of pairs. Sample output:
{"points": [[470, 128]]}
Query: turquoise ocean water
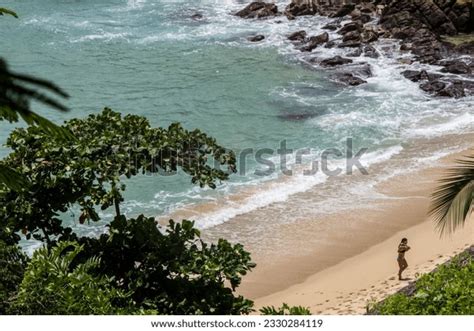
{"points": [[152, 58]]}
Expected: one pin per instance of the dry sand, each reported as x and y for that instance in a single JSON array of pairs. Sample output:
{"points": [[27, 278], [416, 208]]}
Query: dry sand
{"points": [[360, 266], [349, 286]]}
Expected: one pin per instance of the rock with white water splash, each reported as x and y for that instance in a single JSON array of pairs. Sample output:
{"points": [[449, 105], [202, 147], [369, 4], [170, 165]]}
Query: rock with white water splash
{"points": [[258, 9], [344, 10], [347, 78], [335, 61], [256, 38], [298, 36], [456, 67], [315, 41], [301, 8], [349, 27]]}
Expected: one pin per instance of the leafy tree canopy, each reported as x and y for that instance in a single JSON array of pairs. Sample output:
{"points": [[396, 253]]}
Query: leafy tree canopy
{"points": [[87, 170]]}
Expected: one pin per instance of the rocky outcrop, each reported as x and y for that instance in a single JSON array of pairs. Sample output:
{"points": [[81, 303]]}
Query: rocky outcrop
{"points": [[258, 9], [315, 41], [347, 78], [301, 8], [456, 67], [443, 17], [299, 36], [335, 61]]}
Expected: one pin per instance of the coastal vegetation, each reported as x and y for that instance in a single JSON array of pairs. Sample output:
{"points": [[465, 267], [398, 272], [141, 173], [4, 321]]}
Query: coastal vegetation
{"points": [[140, 266], [137, 266], [445, 291]]}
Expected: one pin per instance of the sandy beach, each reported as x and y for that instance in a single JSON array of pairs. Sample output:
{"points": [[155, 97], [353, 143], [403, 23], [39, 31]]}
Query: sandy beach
{"points": [[359, 266], [349, 286]]}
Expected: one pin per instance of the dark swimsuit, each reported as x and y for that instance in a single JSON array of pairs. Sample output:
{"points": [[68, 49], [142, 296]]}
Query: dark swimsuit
{"points": [[402, 248]]}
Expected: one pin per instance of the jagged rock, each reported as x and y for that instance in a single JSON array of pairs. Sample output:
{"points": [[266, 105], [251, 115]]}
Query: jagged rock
{"points": [[258, 9], [456, 67], [350, 43], [315, 41], [433, 86], [453, 90], [417, 14], [330, 44], [369, 36], [256, 38], [344, 10], [356, 53], [298, 36], [347, 78], [353, 36], [301, 8], [331, 26], [370, 51], [352, 26], [361, 69], [335, 61], [416, 76]]}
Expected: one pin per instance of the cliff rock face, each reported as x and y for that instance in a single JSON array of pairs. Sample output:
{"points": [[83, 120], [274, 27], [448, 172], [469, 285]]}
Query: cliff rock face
{"points": [[445, 17]]}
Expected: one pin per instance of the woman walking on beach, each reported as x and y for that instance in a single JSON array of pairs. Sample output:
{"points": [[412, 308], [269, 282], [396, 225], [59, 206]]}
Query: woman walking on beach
{"points": [[402, 262]]}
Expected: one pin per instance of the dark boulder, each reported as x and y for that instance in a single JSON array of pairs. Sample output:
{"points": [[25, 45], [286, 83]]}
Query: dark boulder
{"points": [[197, 17], [356, 53], [433, 87], [258, 9], [370, 51], [331, 26], [298, 36], [369, 36], [350, 43], [453, 90], [315, 41], [301, 8], [335, 61], [416, 76], [347, 78], [352, 26], [351, 36], [456, 67], [256, 38], [344, 10]]}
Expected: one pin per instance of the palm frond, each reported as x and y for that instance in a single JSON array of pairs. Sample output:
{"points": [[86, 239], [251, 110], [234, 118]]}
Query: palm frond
{"points": [[5, 11], [453, 200], [16, 93]]}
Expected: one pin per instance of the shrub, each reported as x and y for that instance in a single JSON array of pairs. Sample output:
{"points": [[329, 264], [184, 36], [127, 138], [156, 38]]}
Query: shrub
{"points": [[285, 310], [53, 285], [447, 291], [12, 267], [172, 270]]}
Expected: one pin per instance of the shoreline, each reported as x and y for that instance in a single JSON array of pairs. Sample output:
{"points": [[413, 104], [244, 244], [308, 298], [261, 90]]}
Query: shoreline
{"points": [[348, 287], [404, 214]]}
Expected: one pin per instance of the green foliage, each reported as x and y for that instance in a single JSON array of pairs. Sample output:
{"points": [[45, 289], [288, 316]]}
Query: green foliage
{"points": [[5, 11], [452, 202], [172, 271], [12, 267], [285, 310], [447, 291], [53, 285], [87, 170]]}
